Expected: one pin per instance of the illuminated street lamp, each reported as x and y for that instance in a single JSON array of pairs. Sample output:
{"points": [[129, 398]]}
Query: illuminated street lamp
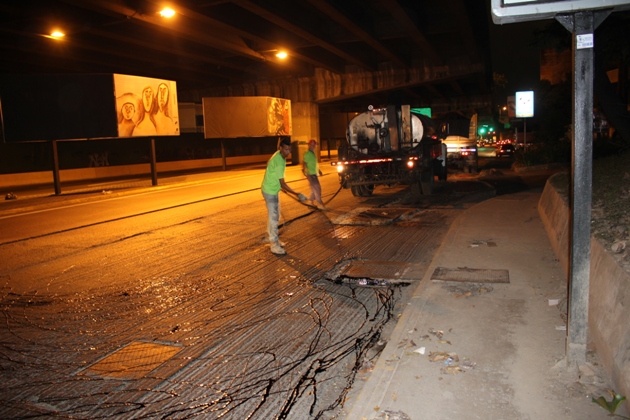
{"points": [[167, 12]]}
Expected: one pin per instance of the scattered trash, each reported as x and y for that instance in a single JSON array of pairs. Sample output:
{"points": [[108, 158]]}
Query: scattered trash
{"points": [[440, 356], [561, 327], [467, 294], [618, 247], [420, 350], [288, 294], [437, 333], [393, 358], [553, 302], [444, 342], [391, 415], [107, 191], [425, 337], [452, 370], [367, 366], [10, 196], [467, 364]]}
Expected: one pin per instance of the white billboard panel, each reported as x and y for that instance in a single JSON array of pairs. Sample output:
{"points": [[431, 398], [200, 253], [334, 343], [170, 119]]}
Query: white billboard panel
{"points": [[510, 11], [525, 104], [246, 116]]}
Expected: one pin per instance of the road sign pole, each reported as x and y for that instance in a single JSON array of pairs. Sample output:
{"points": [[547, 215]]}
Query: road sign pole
{"points": [[582, 25]]}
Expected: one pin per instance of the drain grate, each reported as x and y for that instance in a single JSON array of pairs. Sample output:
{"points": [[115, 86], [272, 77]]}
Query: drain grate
{"points": [[133, 361], [383, 270], [476, 275]]}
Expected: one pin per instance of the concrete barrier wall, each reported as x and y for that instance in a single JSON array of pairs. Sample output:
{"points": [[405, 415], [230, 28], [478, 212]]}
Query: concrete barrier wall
{"points": [[609, 291], [9, 181], [103, 172]]}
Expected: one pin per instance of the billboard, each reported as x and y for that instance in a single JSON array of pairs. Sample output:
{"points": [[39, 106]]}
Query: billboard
{"points": [[45, 107], [524, 104], [145, 106], [246, 116]]}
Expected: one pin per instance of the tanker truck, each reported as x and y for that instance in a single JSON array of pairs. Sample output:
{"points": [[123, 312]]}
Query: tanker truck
{"points": [[388, 146]]}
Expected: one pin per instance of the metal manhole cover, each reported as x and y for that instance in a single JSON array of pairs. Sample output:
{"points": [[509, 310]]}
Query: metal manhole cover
{"points": [[133, 361], [371, 216], [383, 270], [476, 275]]}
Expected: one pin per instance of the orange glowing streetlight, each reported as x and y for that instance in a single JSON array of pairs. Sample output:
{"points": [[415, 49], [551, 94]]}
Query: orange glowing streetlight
{"points": [[167, 13], [56, 34]]}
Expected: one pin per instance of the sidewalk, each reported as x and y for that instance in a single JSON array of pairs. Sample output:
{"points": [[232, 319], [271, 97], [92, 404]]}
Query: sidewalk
{"points": [[481, 350]]}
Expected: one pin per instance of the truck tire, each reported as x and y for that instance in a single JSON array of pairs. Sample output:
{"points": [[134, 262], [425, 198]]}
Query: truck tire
{"points": [[356, 190], [367, 190]]}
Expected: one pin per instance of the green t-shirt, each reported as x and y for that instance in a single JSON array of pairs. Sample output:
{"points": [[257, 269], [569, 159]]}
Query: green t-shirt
{"points": [[311, 163], [273, 174]]}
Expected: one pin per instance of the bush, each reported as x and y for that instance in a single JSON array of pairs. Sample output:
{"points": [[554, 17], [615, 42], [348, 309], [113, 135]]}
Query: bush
{"points": [[544, 153]]}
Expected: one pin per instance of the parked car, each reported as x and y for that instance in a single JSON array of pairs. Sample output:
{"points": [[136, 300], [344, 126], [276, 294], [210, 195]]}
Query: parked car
{"points": [[506, 149]]}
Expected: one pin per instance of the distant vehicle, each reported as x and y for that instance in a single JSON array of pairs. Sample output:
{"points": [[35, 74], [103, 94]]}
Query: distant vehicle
{"points": [[506, 149], [462, 153]]}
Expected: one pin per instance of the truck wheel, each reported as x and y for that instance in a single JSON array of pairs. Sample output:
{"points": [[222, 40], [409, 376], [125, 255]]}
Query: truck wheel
{"points": [[367, 190], [356, 190]]}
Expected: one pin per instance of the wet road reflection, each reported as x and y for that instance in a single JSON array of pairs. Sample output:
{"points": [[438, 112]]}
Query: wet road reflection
{"points": [[185, 313]]}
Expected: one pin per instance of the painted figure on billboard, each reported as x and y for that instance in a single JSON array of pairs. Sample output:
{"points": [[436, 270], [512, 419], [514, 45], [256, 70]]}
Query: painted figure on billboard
{"points": [[146, 123], [163, 122], [278, 115], [127, 105]]}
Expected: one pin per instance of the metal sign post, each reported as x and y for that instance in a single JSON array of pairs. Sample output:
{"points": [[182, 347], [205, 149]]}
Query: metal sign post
{"points": [[582, 25], [580, 17]]}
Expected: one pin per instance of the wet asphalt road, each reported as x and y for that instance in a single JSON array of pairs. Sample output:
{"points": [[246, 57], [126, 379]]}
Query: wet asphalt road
{"points": [[169, 304]]}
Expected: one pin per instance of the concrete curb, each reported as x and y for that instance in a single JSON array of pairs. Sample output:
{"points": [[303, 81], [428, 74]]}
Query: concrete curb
{"points": [[609, 290]]}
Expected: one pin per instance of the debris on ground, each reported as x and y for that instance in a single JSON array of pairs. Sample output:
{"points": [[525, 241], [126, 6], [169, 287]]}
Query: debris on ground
{"points": [[10, 196], [392, 415], [442, 356], [439, 334]]}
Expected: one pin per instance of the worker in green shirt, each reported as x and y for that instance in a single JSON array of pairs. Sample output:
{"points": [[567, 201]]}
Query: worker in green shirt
{"points": [[272, 183], [311, 170]]}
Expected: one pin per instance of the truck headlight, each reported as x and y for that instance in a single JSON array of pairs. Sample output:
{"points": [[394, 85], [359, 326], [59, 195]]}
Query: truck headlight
{"points": [[410, 164], [340, 167]]}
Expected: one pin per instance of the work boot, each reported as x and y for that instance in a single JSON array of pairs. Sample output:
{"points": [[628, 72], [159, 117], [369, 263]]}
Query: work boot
{"points": [[281, 243], [277, 249]]}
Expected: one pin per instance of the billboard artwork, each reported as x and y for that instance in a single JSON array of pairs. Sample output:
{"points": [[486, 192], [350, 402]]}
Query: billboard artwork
{"points": [[232, 117], [279, 116], [146, 106]]}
